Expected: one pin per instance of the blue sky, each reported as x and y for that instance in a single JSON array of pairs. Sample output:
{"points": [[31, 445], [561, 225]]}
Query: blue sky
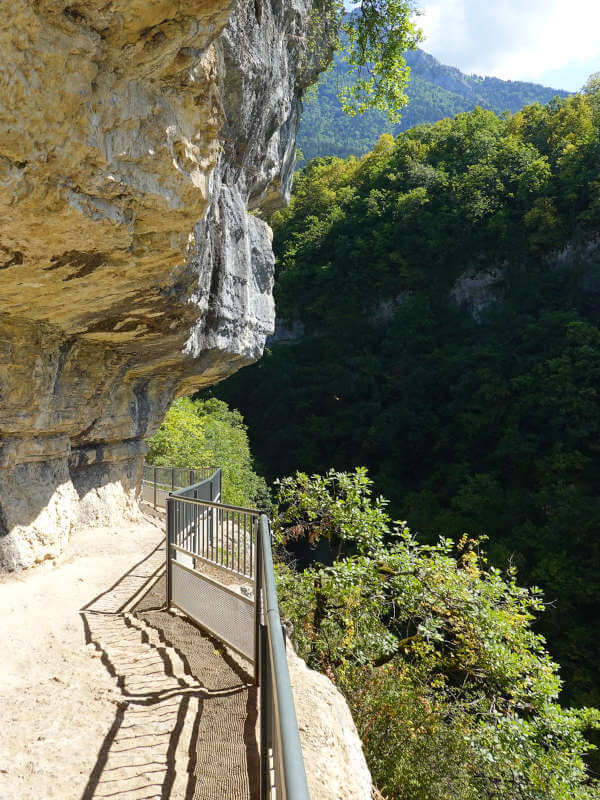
{"points": [[554, 42]]}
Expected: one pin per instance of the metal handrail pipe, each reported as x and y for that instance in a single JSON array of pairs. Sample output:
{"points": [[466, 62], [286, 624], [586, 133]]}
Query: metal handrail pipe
{"points": [[251, 512], [194, 486], [294, 774]]}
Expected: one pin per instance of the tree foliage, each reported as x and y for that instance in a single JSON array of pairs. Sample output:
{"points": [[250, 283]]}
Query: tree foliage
{"points": [[198, 433], [453, 692], [443, 294], [374, 38]]}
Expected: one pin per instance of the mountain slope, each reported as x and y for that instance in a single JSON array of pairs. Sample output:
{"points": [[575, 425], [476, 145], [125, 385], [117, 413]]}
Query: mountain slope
{"points": [[435, 91]]}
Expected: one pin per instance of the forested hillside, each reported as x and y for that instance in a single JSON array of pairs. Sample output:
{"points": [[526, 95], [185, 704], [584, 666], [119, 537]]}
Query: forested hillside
{"points": [[441, 297], [435, 91]]}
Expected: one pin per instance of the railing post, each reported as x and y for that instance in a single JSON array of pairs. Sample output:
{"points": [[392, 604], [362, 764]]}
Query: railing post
{"points": [[257, 607], [155, 488], [266, 726], [172, 479], [169, 539]]}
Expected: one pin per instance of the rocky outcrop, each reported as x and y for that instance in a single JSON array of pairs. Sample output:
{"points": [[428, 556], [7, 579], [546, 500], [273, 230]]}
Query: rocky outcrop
{"points": [[134, 137], [477, 290], [333, 757]]}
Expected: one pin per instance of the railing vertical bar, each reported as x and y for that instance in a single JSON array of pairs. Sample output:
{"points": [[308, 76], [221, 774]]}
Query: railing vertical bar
{"points": [[245, 534], [253, 550], [211, 531], [224, 531], [265, 783], [203, 540], [258, 606], [155, 488], [169, 579], [195, 540]]}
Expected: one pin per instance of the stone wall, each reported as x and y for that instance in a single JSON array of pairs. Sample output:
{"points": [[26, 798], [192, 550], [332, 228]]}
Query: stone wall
{"points": [[134, 138]]}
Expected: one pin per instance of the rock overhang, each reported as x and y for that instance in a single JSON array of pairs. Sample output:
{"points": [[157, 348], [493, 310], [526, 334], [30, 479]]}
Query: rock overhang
{"points": [[135, 136]]}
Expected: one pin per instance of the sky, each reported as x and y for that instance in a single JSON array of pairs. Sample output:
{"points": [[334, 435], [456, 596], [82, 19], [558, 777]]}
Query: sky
{"points": [[553, 42]]}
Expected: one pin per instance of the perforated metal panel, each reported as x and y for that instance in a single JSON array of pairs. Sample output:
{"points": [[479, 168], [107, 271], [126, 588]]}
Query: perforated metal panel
{"points": [[227, 615]]}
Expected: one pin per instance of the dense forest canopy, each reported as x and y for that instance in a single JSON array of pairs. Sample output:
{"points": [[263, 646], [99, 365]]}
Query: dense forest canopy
{"points": [[441, 297], [434, 91]]}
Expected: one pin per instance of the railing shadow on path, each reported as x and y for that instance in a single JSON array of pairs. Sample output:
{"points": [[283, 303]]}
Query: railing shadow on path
{"points": [[185, 725]]}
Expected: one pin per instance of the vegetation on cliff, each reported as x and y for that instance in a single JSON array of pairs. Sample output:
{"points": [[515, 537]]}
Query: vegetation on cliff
{"points": [[453, 693], [445, 291]]}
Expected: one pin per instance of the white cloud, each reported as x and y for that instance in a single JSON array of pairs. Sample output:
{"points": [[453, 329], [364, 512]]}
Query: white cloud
{"points": [[512, 39]]}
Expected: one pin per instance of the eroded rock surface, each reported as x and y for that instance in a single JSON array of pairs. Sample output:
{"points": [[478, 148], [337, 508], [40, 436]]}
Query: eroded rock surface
{"points": [[335, 764], [134, 136]]}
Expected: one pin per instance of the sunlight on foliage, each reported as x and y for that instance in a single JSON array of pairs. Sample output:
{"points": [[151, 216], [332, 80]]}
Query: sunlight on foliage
{"points": [[447, 290], [375, 37], [453, 693], [198, 433]]}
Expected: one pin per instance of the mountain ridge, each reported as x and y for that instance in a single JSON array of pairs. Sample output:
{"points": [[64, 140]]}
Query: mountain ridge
{"points": [[435, 91]]}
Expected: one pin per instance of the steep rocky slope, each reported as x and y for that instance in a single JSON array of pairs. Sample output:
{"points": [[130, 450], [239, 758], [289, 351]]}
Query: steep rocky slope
{"points": [[133, 139]]}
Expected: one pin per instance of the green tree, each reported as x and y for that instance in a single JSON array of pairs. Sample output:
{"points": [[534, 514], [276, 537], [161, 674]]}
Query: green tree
{"points": [[453, 692], [374, 37], [198, 433], [376, 40]]}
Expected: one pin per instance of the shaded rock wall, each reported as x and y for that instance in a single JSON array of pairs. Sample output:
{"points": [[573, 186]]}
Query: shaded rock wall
{"points": [[133, 138]]}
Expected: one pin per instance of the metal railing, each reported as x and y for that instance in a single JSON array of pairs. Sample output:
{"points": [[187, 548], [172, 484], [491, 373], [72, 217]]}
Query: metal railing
{"points": [[159, 482], [214, 532], [202, 531], [282, 770]]}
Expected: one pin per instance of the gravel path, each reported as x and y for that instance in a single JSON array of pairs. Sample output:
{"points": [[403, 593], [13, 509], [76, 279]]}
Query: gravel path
{"points": [[105, 694]]}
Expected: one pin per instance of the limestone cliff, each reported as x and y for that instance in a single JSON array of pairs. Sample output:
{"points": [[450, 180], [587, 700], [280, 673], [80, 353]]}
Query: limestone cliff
{"points": [[336, 768], [134, 137]]}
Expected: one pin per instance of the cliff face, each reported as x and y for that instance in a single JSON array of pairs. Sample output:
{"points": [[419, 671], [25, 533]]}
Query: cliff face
{"points": [[133, 139], [336, 768]]}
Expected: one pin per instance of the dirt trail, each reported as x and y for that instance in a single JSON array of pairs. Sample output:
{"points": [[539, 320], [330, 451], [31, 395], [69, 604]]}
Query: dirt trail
{"points": [[105, 694]]}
